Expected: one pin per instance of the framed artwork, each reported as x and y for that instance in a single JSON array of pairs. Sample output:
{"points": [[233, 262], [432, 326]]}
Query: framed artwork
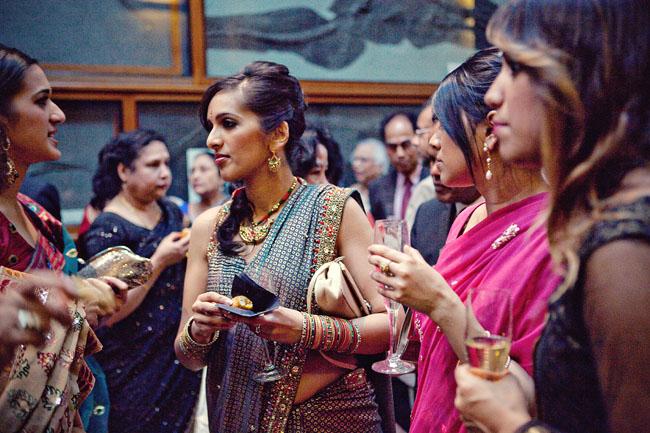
{"points": [[361, 41], [132, 37]]}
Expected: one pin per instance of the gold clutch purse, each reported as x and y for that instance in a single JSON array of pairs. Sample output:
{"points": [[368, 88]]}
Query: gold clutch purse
{"points": [[119, 262]]}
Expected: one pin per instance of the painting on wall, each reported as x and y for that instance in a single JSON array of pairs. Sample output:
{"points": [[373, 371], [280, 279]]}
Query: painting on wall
{"points": [[407, 41], [135, 37]]}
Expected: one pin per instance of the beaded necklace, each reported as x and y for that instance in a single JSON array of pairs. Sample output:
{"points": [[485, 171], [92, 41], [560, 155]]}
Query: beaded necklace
{"points": [[256, 232]]}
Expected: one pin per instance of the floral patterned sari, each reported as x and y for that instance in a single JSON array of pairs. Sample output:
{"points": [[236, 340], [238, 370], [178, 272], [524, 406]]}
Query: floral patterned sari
{"points": [[45, 386]]}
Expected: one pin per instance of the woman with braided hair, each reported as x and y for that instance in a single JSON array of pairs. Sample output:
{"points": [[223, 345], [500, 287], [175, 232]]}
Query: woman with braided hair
{"points": [[279, 223]]}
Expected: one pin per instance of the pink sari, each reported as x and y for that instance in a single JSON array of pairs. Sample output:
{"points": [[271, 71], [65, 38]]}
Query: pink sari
{"points": [[521, 264]]}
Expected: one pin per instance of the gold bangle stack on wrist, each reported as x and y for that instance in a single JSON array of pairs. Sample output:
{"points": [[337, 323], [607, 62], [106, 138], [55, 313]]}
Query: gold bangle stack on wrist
{"points": [[329, 334], [191, 348]]}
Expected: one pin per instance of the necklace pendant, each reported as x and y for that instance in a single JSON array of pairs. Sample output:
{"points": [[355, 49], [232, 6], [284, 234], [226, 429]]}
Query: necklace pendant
{"points": [[255, 233]]}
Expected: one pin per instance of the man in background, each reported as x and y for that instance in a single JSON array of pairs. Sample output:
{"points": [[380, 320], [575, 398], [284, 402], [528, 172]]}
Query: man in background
{"points": [[369, 161], [425, 189], [390, 194]]}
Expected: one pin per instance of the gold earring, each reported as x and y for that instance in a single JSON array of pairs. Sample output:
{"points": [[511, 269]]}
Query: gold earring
{"points": [[488, 159], [274, 162], [12, 174]]}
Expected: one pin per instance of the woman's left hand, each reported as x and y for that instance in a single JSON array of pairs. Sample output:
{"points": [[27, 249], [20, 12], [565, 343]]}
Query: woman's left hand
{"points": [[283, 325], [409, 279], [102, 298], [498, 406]]}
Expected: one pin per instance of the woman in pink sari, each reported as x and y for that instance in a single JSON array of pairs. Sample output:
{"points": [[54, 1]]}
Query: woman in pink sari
{"points": [[497, 243]]}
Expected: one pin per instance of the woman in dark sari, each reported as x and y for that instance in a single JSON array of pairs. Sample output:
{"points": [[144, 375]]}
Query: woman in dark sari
{"points": [[131, 181]]}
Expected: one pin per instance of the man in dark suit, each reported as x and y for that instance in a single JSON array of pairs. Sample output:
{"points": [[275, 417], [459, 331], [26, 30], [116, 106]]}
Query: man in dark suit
{"points": [[43, 193], [390, 194]]}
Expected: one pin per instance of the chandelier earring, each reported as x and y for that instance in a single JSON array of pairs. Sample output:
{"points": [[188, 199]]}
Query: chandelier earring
{"points": [[12, 174], [488, 144], [274, 162]]}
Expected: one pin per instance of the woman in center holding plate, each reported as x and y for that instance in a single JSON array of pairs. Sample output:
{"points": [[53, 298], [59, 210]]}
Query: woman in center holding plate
{"points": [[277, 223]]}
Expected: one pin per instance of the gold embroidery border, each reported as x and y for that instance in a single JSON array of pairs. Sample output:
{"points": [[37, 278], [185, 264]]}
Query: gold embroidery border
{"points": [[222, 214], [283, 392]]}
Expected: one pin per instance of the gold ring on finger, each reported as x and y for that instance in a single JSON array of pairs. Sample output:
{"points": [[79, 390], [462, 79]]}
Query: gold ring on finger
{"points": [[385, 269]]}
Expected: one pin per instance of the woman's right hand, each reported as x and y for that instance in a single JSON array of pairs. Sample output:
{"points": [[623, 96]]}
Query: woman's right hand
{"points": [[497, 406], [171, 250], [412, 282], [208, 318], [24, 319]]}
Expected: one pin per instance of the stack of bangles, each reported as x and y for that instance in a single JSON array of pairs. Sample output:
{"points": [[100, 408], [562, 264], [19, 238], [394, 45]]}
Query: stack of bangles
{"points": [[191, 348], [329, 334]]}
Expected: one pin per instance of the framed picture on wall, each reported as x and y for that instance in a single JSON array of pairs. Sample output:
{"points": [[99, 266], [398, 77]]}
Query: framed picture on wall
{"points": [[334, 41]]}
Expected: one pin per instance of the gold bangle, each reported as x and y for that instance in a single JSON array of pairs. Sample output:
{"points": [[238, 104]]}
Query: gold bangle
{"points": [[190, 347]]}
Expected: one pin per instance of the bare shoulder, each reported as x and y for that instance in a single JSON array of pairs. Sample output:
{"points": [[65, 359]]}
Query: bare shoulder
{"points": [[354, 218], [205, 223], [355, 227]]}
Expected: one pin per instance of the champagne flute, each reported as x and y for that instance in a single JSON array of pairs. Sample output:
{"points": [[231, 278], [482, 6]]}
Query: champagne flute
{"points": [[488, 332], [270, 372], [394, 234], [488, 336]]}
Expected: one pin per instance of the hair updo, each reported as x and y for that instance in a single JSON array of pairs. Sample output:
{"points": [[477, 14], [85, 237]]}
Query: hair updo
{"points": [[274, 96], [459, 103], [122, 149]]}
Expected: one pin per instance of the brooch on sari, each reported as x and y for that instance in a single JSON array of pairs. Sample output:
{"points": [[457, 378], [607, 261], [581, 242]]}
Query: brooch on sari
{"points": [[505, 237]]}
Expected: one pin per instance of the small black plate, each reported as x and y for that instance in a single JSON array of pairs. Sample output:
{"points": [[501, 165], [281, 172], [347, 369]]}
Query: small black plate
{"points": [[263, 300]]}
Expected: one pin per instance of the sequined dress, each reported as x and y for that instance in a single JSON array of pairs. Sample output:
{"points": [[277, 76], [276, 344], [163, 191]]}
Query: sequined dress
{"points": [[150, 391]]}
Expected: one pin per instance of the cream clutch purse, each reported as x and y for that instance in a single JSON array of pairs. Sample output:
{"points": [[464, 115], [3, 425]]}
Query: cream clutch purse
{"points": [[119, 262]]}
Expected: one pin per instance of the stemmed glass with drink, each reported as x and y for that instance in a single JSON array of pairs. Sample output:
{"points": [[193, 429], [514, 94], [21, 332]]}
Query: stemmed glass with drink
{"points": [[488, 335], [270, 372], [392, 233]]}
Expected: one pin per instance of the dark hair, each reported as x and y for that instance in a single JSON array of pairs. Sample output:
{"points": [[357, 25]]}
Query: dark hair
{"points": [[305, 159], [589, 64], [274, 96], [459, 101], [13, 66], [412, 117], [123, 149]]}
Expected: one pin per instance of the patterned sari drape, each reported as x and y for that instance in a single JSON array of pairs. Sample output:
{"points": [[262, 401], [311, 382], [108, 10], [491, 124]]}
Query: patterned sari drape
{"points": [[46, 385], [301, 239]]}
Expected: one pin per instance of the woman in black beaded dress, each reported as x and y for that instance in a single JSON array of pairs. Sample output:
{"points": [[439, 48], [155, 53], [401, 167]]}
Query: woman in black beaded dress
{"points": [[149, 390]]}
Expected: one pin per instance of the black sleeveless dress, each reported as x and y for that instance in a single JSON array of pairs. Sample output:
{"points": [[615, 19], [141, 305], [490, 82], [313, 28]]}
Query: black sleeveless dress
{"points": [[569, 396]]}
